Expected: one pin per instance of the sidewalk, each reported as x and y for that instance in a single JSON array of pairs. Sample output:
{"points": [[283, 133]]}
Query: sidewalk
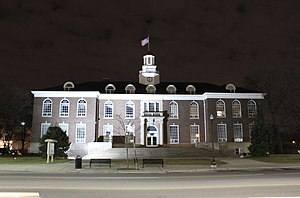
{"points": [[233, 164]]}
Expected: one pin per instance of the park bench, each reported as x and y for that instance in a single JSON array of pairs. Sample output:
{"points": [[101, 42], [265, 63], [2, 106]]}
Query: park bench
{"points": [[100, 161], [153, 161]]}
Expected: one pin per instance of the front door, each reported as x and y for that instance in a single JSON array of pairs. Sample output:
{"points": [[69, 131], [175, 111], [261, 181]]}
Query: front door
{"points": [[152, 136]]}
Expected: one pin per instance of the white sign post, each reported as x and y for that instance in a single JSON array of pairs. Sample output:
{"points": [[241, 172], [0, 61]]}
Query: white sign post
{"points": [[50, 149]]}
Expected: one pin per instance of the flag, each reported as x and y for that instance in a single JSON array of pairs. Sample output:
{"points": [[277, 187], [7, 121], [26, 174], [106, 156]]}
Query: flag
{"points": [[145, 41]]}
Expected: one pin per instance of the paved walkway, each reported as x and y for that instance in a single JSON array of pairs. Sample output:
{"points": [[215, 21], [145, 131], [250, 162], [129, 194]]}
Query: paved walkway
{"points": [[69, 167]]}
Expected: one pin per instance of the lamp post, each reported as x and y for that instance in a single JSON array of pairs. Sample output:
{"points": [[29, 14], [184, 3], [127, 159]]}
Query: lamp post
{"points": [[213, 162], [23, 137]]}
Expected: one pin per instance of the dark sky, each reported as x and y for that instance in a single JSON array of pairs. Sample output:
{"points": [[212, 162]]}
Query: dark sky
{"points": [[45, 43]]}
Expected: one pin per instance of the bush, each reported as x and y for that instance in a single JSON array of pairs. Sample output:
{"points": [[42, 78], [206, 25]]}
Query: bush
{"points": [[62, 145]]}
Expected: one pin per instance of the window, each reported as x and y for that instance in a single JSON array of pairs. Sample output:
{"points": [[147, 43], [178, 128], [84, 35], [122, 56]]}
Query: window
{"points": [[68, 86], [250, 129], [220, 107], [130, 89], [238, 132], [171, 89], [129, 109], [194, 110], [110, 88], [80, 133], [174, 134], [251, 109], [44, 128], [151, 106], [108, 109], [47, 108], [151, 89], [107, 133], [81, 108], [236, 109], [222, 132], [64, 108], [190, 89], [173, 110], [64, 127], [195, 136]]}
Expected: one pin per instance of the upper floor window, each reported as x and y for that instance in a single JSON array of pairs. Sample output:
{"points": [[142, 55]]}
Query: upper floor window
{"points": [[129, 109], [194, 110], [110, 88], [151, 89], [81, 108], [171, 89], [108, 109], [191, 89], [173, 109], [151, 106], [130, 89], [236, 109], [64, 108], [251, 108], [220, 107], [47, 108], [68, 86]]}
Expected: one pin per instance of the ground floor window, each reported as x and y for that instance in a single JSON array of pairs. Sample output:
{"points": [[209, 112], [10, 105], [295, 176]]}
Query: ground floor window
{"points": [[174, 134], [238, 132], [195, 135], [107, 133], [44, 128], [64, 127], [222, 132], [80, 133]]}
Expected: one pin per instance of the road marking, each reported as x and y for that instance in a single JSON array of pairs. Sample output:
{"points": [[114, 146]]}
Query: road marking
{"points": [[148, 188]]}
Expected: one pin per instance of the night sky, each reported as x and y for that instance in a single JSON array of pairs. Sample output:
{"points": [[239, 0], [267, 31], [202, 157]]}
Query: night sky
{"points": [[45, 43]]}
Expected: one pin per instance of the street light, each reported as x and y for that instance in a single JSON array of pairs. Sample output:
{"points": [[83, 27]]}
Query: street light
{"points": [[23, 137], [213, 162]]}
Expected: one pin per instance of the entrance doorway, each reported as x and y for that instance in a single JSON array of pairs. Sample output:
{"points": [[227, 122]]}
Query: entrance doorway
{"points": [[152, 136]]}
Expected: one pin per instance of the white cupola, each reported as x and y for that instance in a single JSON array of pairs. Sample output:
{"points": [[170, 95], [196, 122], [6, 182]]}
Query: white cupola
{"points": [[149, 75]]}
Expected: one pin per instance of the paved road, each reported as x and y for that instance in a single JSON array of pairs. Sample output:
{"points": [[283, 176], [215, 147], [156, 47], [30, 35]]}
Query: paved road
{"points": [[279, 183]]}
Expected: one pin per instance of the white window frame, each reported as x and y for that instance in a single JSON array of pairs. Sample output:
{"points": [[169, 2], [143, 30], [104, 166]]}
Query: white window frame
{"points": [[238, 132], [173, 108], [195, 131], [80, 133], [129, 114], [107, 132], [194, 110], [81, 108], [64, 108], [174, 136], [155, 106], [252, 108], [222, 135], [236, 109], [108, 114], [44, 128], [221, 109], [64, 127], [47, 108]]}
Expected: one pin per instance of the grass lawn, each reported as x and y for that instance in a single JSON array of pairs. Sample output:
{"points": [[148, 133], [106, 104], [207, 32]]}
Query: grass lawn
{"points": [[27, 160], [280, 159]]}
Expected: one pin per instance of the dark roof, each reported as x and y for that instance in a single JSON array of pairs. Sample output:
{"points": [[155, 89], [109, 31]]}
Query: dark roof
{"points": [[141, 89]]}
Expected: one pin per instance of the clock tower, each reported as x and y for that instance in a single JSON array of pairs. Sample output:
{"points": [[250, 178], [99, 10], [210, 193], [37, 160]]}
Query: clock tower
{"points": [[149, 75]]}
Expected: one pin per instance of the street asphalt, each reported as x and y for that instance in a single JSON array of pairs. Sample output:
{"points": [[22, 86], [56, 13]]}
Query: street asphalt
{"points": [[232, 164]]}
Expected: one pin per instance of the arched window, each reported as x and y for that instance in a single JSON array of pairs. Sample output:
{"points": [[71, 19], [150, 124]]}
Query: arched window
{"points": [[236, 109], [130, 89], [64, 108], [194, 110], [108, 109], [151, 89], [68, 86], [191, 89], [171, 89], [173, 108], [47, 108], [110, 88], [220, 107], [252, 109], [129, 109], [81, 108]]}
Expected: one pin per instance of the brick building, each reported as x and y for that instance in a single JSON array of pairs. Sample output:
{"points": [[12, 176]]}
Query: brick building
{"points": [[157, 113]]}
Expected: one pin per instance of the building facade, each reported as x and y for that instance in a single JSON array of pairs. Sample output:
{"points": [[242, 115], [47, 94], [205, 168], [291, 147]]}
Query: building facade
{"points": [[157, 114]]}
